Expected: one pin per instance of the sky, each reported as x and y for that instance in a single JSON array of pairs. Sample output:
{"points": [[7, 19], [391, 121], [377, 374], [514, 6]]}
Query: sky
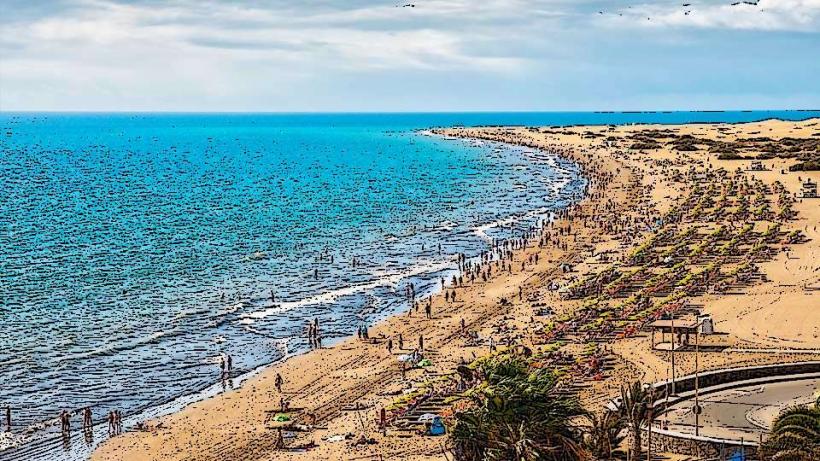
{"points": [[430, 55]]}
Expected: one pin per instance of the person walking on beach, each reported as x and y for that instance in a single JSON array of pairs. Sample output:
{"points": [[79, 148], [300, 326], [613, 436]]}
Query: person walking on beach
{"points": [[118, 421], [65, 422], [86, 418], [313, 332], [278, 382], [311, 335], [428, 310], [421, 343], [390, 345], [229, 365], [111, 427], [401, 342]]}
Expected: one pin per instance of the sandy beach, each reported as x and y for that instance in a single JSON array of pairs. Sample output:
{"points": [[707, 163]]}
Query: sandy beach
{"points": [[764, 318]]}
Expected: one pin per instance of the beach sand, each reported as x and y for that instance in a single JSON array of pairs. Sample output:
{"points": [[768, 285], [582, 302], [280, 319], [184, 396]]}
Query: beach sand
{"points": [[767, 322]]}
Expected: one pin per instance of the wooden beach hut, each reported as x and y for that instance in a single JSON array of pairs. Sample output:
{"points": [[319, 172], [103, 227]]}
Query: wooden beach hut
{"points": [[681, 327]]}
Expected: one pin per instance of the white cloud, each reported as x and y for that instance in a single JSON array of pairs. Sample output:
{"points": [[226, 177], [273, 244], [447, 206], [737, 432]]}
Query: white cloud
{"points": [[202, 50], [276, 54], [363, 38], [765, 15]]}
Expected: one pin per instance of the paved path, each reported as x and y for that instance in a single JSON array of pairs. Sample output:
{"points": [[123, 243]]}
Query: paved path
{"points": [[745, 412]]}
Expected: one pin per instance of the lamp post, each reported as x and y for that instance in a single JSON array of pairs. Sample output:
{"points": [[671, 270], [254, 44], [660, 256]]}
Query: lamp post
{"points": [[650, 409], [673, 355], [666, 401], [697, 379]]}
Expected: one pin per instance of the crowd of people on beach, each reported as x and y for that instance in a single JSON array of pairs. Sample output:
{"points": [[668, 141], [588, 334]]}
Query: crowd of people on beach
{"points": [[497, 259], [560, 231], [114, 419]]}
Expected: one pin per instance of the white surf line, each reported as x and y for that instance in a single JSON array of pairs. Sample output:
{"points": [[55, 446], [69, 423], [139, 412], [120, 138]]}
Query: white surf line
{"points": [[534, 156], [481, 230], [393, 279], [328, 297]]}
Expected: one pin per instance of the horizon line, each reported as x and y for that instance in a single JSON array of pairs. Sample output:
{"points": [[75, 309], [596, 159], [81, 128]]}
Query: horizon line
{"points": [[239, 112]]}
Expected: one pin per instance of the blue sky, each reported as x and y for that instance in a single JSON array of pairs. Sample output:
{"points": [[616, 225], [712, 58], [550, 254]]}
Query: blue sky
{"points": [[440, 55]]}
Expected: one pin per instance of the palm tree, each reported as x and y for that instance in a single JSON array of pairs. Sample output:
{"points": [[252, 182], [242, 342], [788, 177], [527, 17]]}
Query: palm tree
{"points": [[795, 435], [516, 416], [470, 435], [634, 409], [604, 434]]}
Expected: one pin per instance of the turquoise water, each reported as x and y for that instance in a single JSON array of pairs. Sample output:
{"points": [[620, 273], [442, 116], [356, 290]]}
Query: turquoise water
{"points": [[137, 248]]}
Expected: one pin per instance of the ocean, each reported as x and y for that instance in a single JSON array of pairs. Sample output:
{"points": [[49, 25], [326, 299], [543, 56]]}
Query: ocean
{"points": [[138, 249]]}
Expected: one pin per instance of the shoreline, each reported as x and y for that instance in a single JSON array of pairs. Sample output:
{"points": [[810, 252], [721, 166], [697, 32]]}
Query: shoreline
{"points": [[429, 270], [158, 445], [346, 343]]}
